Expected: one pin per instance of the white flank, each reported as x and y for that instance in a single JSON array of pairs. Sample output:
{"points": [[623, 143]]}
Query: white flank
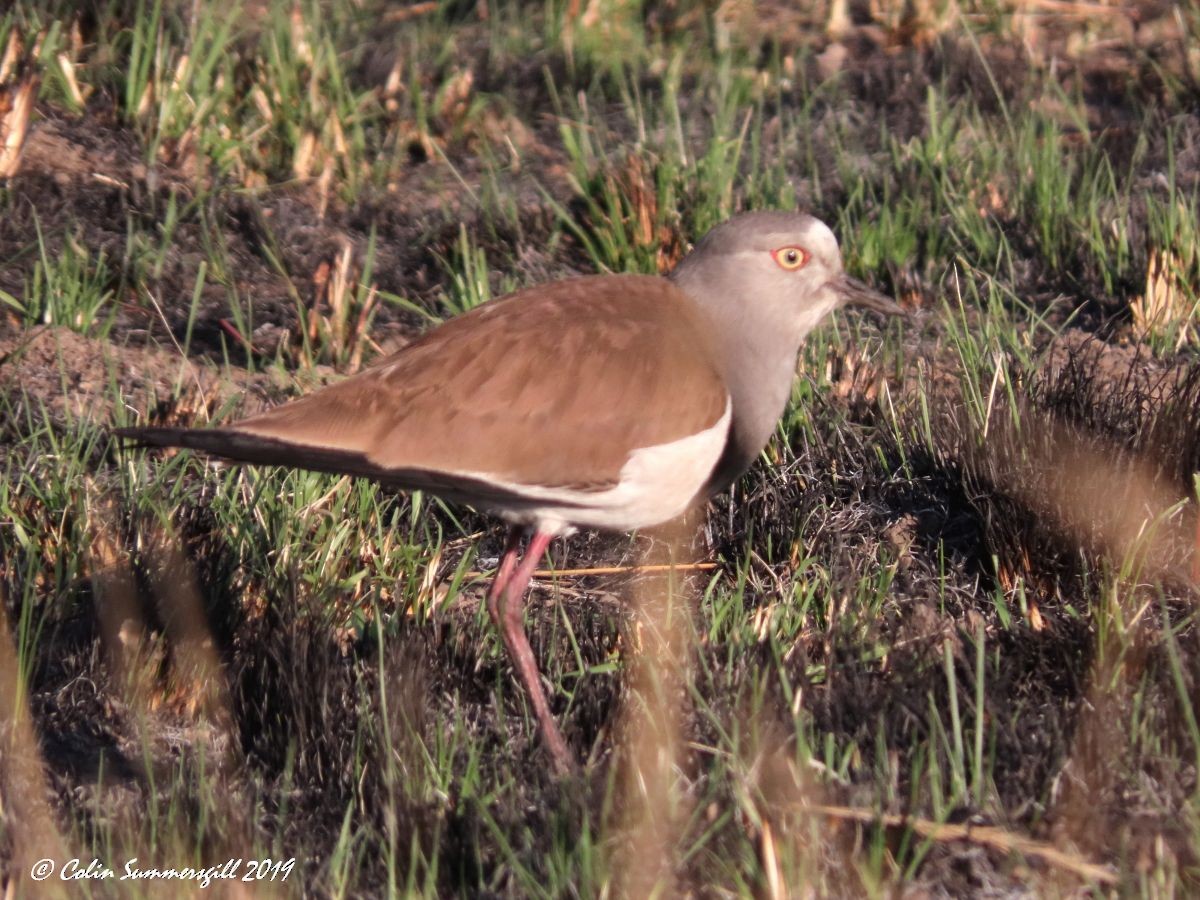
{"points": [[657, 484]]}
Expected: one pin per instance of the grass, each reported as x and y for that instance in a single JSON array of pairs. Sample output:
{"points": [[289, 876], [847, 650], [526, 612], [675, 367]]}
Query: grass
{"points": [[71, 290], [955, 592]]}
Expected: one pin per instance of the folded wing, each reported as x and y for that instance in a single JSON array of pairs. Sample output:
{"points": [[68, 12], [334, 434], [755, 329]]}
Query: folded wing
{"points": [[554, 386]]}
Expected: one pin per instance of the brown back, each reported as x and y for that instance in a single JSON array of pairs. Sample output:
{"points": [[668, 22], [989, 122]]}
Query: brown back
{"points": [[554, 385]]}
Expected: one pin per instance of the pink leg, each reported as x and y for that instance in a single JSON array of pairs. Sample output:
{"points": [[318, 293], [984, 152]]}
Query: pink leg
{"points": [[508, 562], [506, 605]]}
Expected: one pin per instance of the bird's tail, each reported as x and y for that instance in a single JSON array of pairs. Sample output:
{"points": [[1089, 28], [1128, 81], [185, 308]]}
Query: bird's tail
{"points": [[228, 443], [245, 447]]}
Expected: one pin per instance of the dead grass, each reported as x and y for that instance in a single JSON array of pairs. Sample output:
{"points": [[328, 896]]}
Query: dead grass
{"points": [[943, 640]]}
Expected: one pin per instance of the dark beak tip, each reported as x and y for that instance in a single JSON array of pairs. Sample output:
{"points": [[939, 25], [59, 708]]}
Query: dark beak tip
{"points": [[856, 293], [886, 306]]}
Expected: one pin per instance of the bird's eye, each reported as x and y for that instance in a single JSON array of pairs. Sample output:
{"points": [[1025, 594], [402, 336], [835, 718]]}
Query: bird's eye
{"points": [[790, 258]]}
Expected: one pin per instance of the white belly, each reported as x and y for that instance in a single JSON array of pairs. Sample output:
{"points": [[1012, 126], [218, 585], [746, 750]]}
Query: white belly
{"points": [[656, 485]]}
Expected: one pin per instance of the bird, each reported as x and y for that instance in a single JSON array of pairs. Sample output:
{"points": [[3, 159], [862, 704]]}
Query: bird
{"points": [[612, 402]]}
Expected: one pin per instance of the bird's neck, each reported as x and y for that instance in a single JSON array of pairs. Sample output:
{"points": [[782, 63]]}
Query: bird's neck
{"points": [[759, 361], [760, 385]]}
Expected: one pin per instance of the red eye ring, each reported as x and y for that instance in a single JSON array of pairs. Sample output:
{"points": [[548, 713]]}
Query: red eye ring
{"points": [[790, 258]]}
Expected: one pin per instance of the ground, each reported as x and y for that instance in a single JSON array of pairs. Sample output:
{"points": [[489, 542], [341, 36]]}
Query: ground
{"points": [[939, 641]]}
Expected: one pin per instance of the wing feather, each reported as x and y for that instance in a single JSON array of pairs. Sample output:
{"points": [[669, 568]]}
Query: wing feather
{"points": [[554, 386]]}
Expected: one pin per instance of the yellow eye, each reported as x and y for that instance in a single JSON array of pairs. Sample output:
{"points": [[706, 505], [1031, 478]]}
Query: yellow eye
{"points": [[790, 258]]}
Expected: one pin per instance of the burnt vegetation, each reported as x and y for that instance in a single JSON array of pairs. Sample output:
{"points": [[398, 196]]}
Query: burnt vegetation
{"points": [[958, 592]]}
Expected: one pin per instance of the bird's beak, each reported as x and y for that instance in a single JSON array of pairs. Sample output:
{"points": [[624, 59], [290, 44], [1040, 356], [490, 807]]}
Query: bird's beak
{"points": [[854, 293]]}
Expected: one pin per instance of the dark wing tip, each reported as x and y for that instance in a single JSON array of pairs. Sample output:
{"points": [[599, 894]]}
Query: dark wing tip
{"points": [[242, 447], [141, 436]]}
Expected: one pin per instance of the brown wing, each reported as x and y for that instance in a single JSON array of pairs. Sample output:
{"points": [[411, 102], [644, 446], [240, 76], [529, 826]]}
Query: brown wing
{"points": [[555, 385]]}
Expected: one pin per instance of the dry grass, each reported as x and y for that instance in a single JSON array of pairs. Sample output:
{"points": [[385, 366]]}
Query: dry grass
{"points": [[942, 640]]}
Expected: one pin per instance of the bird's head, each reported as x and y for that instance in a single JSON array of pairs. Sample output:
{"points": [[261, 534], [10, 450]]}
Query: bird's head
{"points": [[778, 270]]}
